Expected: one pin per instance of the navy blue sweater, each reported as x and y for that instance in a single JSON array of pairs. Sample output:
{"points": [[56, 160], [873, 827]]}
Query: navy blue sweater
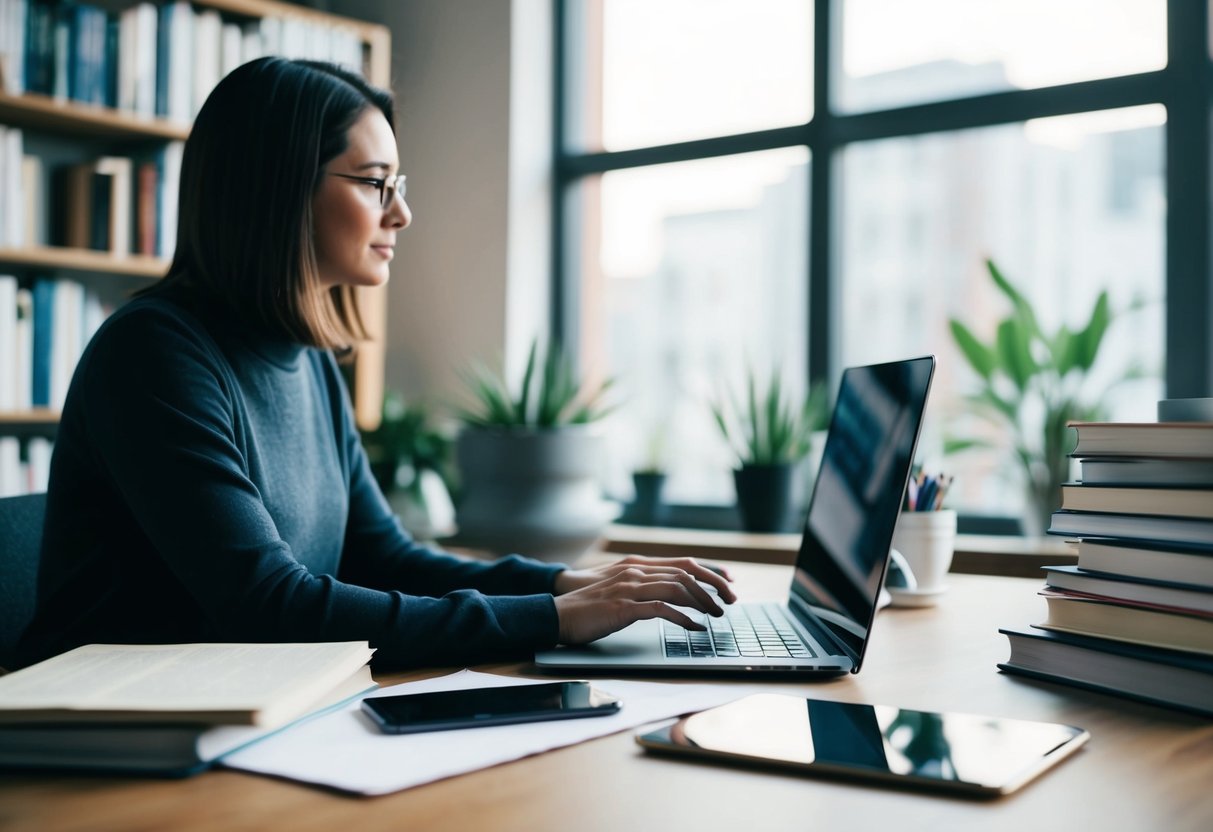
{"points": [[208, 485]]}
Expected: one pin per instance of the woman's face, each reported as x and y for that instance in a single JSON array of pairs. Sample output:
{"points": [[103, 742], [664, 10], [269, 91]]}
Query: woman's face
{"points": [[354, 234]]}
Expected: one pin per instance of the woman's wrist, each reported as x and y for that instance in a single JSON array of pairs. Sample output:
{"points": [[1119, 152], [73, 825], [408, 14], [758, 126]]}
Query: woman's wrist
{"points": [[560, 582]]}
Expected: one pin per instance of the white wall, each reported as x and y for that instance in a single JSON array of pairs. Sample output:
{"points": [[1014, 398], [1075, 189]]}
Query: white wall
{"points": [[471, 275]]}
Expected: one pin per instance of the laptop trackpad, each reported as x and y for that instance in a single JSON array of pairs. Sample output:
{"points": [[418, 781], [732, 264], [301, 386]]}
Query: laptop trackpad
{"points": [[641, 638]]}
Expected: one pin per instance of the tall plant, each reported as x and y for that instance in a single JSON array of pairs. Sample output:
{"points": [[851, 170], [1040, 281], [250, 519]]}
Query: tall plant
{"points": [[1032, 385], [549, 396]]}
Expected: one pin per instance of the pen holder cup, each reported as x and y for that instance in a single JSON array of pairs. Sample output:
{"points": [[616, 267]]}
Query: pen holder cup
{"points": [[927, 540]]}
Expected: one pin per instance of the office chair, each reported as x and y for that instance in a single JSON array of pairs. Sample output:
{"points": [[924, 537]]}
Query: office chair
{"points": [[20, 546]]}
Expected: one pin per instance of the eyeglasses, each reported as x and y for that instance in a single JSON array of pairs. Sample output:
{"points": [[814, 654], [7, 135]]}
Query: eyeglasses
{"points": [[388, 187]]}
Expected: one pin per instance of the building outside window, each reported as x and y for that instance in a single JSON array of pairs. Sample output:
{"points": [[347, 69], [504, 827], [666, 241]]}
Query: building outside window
{"points": [[790, 186]]}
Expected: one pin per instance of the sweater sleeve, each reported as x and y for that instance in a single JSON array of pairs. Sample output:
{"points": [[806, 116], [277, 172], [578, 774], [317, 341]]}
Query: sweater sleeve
{"points": [[163, 421]]}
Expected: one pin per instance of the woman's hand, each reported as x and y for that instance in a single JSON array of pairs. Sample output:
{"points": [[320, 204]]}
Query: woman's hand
{"points": [[595, 602]]}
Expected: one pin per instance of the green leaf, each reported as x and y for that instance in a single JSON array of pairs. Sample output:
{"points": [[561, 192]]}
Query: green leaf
{"points": [[980, 357], [956, 446], [1091, 337], [1064, 348], [1023, 309], [1014, 352], [524, 400]]}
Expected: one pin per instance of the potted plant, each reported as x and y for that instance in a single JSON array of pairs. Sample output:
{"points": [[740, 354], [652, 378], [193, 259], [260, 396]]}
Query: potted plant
{"points": [[1031, 385], [648, 482], [769, 435], [530, 459], [410, 458]]}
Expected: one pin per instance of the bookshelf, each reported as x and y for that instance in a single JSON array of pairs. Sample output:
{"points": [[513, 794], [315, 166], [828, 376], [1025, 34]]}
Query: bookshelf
{"points": [[56, 129]]}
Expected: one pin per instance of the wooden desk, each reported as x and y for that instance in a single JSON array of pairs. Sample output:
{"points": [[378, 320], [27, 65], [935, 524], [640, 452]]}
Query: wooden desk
{"points": [[1145, 768]]}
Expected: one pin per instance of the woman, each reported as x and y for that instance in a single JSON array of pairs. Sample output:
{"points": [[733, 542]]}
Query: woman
{"points": [[208, 483]]}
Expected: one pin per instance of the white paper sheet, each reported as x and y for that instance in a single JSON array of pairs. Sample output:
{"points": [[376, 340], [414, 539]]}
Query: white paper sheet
{"points": [[344, 749]]}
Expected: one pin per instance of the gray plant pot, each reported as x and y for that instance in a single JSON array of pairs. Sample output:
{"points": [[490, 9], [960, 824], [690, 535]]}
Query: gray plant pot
{"points": [[535, 493]]}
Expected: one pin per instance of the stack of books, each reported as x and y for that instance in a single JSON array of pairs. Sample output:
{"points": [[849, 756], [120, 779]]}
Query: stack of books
{"points": [[169, 709], [1135, 616]]}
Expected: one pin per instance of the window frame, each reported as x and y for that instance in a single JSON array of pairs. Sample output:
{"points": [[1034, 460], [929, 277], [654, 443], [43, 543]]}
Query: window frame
{"points": [[1184, 87]]}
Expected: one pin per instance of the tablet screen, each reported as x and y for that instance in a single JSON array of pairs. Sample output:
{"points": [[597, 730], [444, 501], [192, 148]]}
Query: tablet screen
{"points": [[978, 754]]}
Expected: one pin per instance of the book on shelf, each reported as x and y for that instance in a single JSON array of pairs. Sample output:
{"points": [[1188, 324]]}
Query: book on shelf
{"points": [[96, 205], [1192, 597], [12, 45], [1145, 560], [34, 229], [24, 353], [38, 451], [8, 342], [171, 708], [116, 232], [40, 48], [1163, 677], [1144, 439], [43, 298], [1183, 530], [13, 194], [1167, 502], [12, 474], [1130, 471], [146, 212], [1152, 626]]}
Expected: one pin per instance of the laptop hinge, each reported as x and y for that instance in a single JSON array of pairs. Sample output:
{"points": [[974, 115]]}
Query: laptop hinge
{"points": [[821, 631]]}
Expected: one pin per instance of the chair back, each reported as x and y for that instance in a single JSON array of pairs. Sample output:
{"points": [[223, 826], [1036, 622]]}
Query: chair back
{"points": [[20, 546]]}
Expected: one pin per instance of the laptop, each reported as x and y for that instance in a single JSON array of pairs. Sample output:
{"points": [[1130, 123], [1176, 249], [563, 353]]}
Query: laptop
{"points": [[822, 627]]}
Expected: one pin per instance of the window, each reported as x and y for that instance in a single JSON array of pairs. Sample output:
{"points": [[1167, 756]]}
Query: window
{"points": [[805, 186]]}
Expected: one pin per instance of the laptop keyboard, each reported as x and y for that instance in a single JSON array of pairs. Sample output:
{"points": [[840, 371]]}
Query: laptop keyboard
{"points": [[759, 630]]}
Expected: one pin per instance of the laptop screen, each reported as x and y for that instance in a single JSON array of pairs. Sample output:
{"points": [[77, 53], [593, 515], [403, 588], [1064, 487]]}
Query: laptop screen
{"points": [[864, 470]]}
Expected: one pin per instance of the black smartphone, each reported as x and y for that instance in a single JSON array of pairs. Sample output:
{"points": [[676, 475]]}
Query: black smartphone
{"points": [[443, 710]]}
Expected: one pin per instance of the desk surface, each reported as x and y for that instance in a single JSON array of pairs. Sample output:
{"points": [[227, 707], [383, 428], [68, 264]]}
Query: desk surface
{"points": [[1145, 767]]}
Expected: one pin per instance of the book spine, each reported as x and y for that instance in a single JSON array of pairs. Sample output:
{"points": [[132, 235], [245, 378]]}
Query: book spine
{"points": [[99, 219], [145, 208], [9, 355], [44, 319], [11, 476], [25, 350], [38, 450], [14, 195], [146, 66], [65, 339], [64, 65], [40, 49]]}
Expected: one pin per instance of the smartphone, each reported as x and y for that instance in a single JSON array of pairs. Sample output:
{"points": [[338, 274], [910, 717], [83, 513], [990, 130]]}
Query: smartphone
{"points": [[980, 756], [445, 710]]}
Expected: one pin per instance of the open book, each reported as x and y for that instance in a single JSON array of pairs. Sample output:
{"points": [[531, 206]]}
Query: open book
{"points": [[169, 708]]}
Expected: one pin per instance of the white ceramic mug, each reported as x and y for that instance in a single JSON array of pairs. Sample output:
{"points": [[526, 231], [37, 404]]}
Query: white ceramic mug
{"points": [[927, 540]]}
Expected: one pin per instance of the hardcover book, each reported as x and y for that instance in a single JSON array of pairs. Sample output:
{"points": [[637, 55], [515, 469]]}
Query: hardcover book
{"points": [[1183, 439], [1167, 502], [1145, 471], [1182, 530], [1119, 622], [1163, 677], [1144, 560]]}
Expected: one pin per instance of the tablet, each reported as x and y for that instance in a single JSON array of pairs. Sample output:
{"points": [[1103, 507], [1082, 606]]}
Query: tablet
{"points": [[977, 755]]}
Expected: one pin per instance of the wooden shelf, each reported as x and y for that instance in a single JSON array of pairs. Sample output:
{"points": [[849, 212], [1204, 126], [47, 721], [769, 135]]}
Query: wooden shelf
{"points": [[42, 112], [37, 416], [1020, 557], [367, 32], [84, 260]]}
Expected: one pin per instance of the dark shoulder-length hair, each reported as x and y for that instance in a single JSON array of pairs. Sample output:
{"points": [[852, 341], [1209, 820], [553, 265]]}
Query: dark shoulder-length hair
{"points": [[253, 161]]}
